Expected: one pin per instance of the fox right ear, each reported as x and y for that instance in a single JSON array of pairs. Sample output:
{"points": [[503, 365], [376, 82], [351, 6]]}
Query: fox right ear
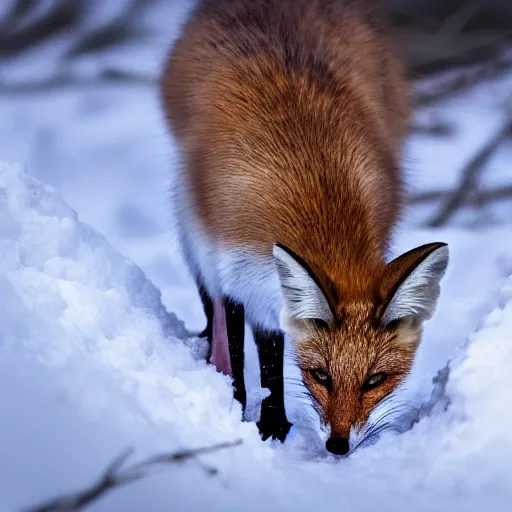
{"points": [[303, 297], [411, 283]]}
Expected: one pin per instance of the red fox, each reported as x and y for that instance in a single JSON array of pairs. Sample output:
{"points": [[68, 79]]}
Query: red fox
{"points": [[289, 117]]}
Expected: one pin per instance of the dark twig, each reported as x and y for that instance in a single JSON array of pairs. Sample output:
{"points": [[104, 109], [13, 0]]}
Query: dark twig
{"points": [[479, 198], [60, 17], [469, 177], [434, 129], [122, 29], [450, 84], [105, 77], [442, 35], [456, 22], [116, 476], [22, 29]]}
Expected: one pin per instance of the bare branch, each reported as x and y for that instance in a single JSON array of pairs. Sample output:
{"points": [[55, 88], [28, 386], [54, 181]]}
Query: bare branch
{"points": [[116, 476], [105, 77], [469, 177], [121, 29], [450, 84], [456, 22], [60, 17], [479, 198], [434, 129], [440, 36]]}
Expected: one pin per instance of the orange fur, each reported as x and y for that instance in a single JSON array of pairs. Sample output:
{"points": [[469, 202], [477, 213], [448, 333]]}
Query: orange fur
{"points": [[290, 115]]}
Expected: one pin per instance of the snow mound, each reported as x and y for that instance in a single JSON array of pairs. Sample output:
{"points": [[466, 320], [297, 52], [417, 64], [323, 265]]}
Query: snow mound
{"points": [[481, 395], [91, 362], [72, 305], [71, 298]]}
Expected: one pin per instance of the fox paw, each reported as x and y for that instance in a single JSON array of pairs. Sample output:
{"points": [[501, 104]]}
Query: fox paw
{"points": [[273, 423]]}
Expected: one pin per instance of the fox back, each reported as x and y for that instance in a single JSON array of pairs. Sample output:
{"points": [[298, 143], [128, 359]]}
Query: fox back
{"points": [[289, 116]]}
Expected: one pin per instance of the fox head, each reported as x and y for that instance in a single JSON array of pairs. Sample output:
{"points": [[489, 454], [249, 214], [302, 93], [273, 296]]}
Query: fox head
{"points": [[354, 355]]}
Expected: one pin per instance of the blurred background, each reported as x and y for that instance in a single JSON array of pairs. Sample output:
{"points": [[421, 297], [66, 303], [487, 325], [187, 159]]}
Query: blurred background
{"points": [[79, 107]]}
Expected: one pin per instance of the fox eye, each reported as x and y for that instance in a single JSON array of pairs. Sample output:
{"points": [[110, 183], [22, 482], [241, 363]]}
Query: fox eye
{"points": [[394, 324], [322, 377], [320, 324], [374, 380], [407, 321]]}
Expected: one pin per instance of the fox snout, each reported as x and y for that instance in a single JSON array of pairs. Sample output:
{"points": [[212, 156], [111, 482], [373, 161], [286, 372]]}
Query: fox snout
{"points": [[346, 418], [340, 420], [338, 445]]}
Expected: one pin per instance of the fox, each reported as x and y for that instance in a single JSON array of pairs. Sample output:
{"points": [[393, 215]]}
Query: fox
{"points": [[289, 118]]}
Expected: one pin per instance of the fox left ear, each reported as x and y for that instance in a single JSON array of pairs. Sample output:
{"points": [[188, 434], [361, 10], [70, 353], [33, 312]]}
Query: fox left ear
{"points": [[303, 297], [411, 283]]}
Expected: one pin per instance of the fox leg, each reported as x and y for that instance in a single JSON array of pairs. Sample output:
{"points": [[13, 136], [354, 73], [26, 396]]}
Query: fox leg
{"points": [[273, 422], [225, 331], [235, 323]]}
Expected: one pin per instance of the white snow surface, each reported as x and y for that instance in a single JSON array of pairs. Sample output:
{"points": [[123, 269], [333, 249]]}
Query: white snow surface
{"points": [[91, 362]]}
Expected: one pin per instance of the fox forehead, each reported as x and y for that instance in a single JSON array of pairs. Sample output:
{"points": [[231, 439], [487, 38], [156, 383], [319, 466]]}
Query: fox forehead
{"points": [[358, 344]]}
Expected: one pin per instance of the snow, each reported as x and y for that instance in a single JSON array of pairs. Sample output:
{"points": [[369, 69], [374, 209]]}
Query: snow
{"points": [[88, 319], [92, 360]]}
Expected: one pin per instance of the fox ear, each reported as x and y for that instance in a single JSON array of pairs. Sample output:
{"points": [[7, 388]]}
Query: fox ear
{"points": [[303, 297], [411, 283]]}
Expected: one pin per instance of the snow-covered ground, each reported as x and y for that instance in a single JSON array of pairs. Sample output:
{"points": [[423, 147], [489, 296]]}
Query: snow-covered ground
{"points": [[92, 360]]}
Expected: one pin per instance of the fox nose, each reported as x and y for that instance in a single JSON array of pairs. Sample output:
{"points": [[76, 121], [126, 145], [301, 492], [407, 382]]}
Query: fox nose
{"points": [[337, 445]]}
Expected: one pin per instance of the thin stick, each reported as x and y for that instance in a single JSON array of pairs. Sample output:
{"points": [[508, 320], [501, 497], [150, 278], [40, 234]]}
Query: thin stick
{"points": [[478, 199], [469, 177], [116, 476]]}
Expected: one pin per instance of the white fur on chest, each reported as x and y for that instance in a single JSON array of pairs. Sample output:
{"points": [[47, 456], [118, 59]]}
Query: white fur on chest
{"points": [[253, 281]]}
